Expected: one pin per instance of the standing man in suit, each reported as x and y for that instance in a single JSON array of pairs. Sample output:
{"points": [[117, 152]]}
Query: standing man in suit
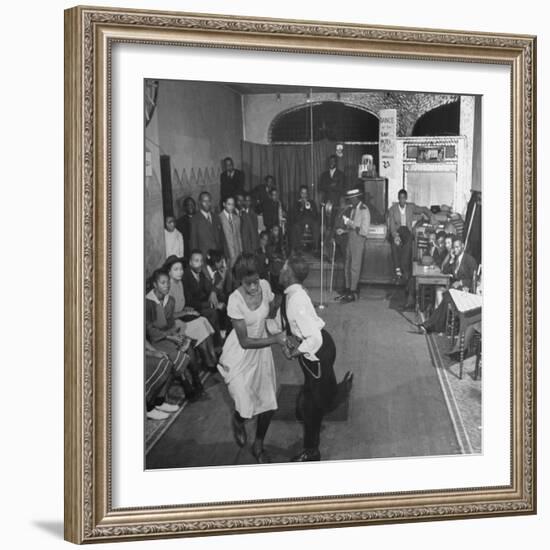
{"points": [[331, 187], [305, 213], [357, 225], [231, 228], [400, 221], [249, 226], [206, 232], [260, 194], [231, 180], [183, 224], [274, 213]]}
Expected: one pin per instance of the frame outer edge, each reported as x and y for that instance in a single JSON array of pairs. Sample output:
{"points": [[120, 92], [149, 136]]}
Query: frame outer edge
{"points": [[86, 519], [534, 328], [73, 372]]}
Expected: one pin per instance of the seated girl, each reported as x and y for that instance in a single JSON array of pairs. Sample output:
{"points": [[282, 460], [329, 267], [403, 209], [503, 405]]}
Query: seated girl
{"points": [[189, 321], [167, 336]]}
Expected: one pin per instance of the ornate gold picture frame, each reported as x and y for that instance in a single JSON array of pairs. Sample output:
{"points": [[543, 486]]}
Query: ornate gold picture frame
{"points": [[90, 34]]}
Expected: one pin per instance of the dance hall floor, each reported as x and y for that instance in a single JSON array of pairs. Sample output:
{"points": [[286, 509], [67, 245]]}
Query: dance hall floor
{"points": [[396, 407]]}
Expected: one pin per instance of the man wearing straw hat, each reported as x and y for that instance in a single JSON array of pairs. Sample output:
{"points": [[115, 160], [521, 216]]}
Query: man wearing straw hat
{"points": [[357, 227]]}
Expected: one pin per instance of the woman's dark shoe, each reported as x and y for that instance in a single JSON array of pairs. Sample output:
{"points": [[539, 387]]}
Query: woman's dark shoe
{"points": [[239, 432], [199, 389], [197, 384], [261, 455], [308, 455], [423, 327], [190, 392]]}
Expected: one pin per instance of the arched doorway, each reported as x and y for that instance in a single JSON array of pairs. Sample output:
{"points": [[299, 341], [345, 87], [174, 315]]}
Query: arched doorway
{"points": [[329, 123], [328, 120], [441, 121]]}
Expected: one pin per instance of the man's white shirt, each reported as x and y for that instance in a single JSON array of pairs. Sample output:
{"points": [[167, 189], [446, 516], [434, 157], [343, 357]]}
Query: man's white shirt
{"points": [[302, 319]]}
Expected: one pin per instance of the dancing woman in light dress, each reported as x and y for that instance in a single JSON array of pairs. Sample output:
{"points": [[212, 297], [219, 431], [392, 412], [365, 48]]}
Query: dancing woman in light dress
{"points": [[246, 363]]}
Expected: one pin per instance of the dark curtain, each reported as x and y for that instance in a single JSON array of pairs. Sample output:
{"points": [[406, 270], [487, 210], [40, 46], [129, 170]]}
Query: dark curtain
{"points": [[295, 165], [472, 223]]}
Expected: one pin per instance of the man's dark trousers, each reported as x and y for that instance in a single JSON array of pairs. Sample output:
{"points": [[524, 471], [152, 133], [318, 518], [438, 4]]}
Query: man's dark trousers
{"points": [[319, 390], [402, 253]]}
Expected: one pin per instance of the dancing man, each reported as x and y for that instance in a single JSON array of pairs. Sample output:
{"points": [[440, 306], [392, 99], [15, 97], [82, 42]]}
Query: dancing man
{"points": [[314, 347]]}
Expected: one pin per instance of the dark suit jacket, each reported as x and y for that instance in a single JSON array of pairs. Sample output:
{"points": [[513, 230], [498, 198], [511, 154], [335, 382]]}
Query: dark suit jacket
{"points": [[196, 292], [249, 231], [271, 213], [332, 188], [260, 196], [205, 235], [230, 186], [183, 225], [436, 254], [466, 270]]}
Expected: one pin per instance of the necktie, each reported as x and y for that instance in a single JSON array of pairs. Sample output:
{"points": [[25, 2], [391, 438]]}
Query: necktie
{"points": [[457, 265], [284, 319]]}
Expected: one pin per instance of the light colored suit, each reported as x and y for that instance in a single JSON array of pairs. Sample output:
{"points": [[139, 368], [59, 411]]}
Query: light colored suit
{"points": [[394, 216], [232, 241], [357, 235]]}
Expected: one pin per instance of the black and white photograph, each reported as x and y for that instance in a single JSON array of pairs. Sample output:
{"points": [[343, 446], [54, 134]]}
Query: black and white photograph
{"points": [[313, 274]]}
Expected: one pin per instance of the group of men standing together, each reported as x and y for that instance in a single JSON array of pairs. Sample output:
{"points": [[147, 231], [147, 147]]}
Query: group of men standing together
{"points": [[238, 228]]}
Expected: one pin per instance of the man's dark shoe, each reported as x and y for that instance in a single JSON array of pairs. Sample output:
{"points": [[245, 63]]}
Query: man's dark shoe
{"points": [[311, 455], [343, 294], [351, 297], [348, 380]]}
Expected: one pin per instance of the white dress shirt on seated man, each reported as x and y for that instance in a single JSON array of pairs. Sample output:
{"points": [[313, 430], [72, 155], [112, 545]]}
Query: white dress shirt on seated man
{"points": [[302, 319]]}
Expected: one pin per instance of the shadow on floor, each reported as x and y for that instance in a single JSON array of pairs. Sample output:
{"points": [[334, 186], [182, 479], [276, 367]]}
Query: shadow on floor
{"points": [[52, 527]]}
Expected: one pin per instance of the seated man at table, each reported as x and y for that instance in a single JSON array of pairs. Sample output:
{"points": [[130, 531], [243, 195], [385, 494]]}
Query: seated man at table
{"points": [[462, 268], [433, 250]]}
